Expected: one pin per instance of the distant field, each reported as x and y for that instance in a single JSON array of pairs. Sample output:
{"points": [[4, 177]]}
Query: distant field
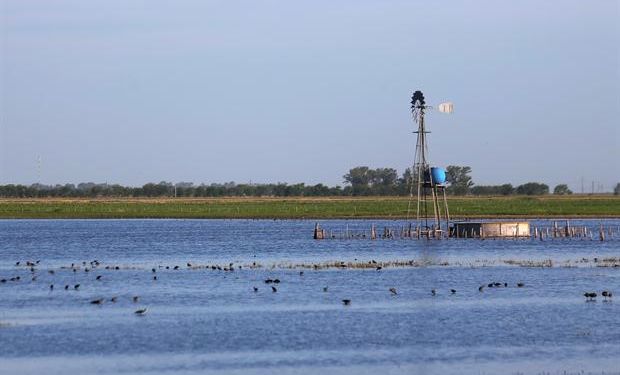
{"points": [[311, 208]]}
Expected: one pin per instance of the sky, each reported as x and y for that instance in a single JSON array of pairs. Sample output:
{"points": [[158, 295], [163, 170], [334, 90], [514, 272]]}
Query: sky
{"points": [[129, 92]]}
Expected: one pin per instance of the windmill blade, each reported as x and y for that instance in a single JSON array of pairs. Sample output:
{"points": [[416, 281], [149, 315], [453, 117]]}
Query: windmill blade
{"points": [[446, 107]]}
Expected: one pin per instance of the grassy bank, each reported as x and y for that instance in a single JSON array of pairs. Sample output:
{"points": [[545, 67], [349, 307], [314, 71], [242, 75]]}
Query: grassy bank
{"points": [[296, 208]]}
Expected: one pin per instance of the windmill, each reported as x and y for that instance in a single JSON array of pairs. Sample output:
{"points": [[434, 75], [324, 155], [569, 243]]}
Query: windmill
{"points": [[427, 182]]}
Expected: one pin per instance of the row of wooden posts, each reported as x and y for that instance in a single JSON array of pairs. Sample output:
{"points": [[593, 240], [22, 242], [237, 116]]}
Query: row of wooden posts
{"points": [[410, 232]]}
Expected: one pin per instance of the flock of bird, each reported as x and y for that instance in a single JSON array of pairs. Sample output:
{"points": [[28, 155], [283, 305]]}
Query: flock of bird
{"points": [[590, 296], [95, 264]]}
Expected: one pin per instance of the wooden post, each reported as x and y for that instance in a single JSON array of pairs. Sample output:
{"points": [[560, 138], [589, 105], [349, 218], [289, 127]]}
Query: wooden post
{"points": [[319, 234]]}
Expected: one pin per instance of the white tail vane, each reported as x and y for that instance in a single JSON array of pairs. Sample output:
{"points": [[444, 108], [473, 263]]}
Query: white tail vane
{"points": [[446, 107]]}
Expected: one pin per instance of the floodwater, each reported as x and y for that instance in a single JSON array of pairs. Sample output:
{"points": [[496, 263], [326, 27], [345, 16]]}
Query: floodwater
{"points": [[201, 320]]}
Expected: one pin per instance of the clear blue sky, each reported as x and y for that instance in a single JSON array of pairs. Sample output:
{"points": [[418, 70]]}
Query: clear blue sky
{"points": [[125, 91]]}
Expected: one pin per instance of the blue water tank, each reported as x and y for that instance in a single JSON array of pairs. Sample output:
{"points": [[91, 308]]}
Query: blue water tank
{"points": [[438, 174]]}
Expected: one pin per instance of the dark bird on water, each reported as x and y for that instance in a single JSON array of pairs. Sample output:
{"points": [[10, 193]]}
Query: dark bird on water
{"points": [[268, 281], [606, 294], [433, 292], [153, 270], [505, 285], [393, 291], [325, 289], [51, 286], [520, 285], [590, 296], [379, 268], [453, 291], [176, 267], [155, 278], [97, 301], [135, 298], [481, 288], [67, 287], [346, 302], [276, 281], [140, 311], [490, 285], [255, 289], [273, 289], [301, 273], [189, 264], [113, 299], [76, 286], [98, 277]]}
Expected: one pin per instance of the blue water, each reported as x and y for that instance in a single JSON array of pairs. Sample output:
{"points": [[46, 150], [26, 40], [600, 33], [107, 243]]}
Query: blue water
{"points": [[211, 321]]}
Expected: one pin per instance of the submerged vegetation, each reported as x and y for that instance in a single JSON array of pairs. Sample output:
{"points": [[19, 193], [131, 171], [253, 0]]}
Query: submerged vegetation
{"points": [[308, 208]]}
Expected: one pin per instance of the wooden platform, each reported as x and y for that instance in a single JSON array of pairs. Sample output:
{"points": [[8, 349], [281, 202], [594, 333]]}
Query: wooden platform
{"points": [[490, 229]]}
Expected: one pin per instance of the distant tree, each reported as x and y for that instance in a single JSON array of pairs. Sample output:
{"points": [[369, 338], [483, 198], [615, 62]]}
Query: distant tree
{"points": [[505, 189], [458, 179], [532, 188], [617, 189], [562, 189]]}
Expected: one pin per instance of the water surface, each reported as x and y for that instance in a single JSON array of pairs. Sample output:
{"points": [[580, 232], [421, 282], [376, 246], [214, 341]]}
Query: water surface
{"points": [[204, 320]]}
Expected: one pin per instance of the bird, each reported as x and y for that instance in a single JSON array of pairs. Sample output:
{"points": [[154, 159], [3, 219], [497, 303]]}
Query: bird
{"points": [[76, 286], [481, 288], [255, 289], [67, 287], [17, 263], [393, 291], [51, 286], [98, 277], [346, 302], [490, 285], [590, 296], [453, 291], [140, 311], [153, 270], [520, 285], [113, 299], [606, 294], [176, 267], [155, 278], [189, 264], [276, 281], [325, 289], [505, 285], [97, 301], [497, 284], [273, 289], [379, 268], [301, 273], [433, 292], [268, 281], [51, 272], [135, 298]]}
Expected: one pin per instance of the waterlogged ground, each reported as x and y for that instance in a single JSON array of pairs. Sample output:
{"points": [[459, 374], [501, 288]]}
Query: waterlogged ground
{"points": [[204, 320]]}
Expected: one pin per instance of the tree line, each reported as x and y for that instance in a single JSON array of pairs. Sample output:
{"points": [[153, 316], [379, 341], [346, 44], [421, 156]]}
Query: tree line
{"points": [[359, 181]]}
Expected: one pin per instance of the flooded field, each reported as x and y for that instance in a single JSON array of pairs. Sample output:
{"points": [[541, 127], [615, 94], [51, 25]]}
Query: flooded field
{"points": [[263, 297]]}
